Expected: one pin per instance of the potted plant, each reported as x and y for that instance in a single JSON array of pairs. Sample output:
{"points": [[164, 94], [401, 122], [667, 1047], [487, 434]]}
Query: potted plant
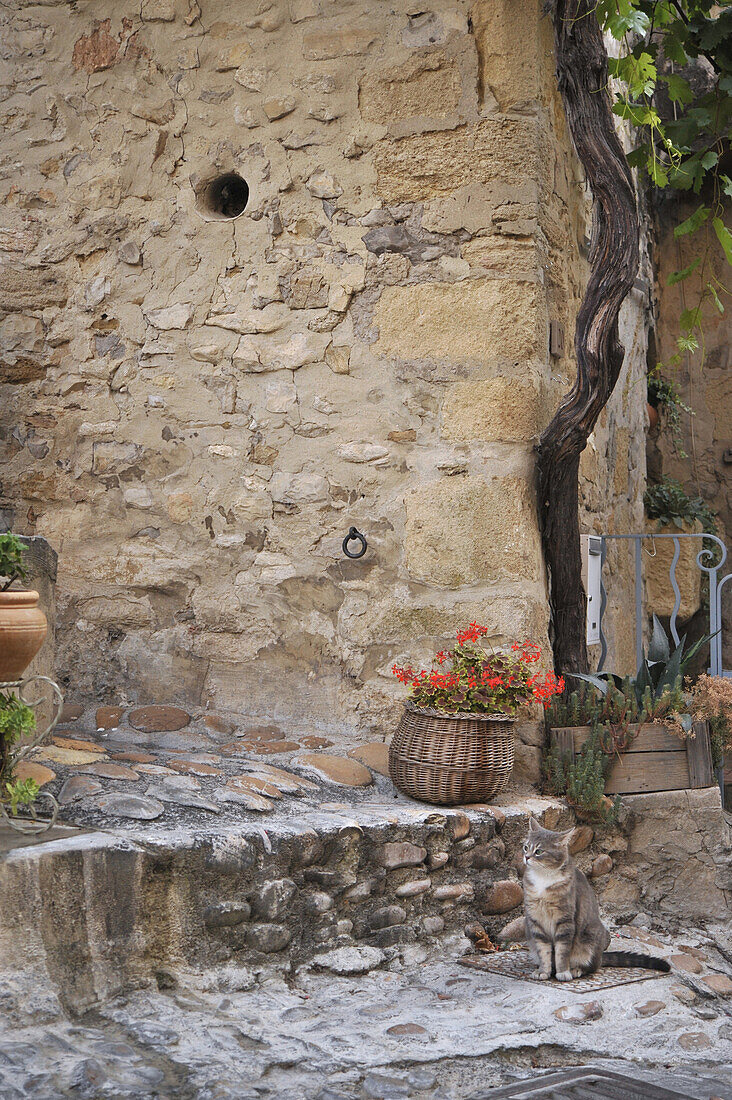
{"points": [[455, 741], [630, 735], [23, 625], [664, 396]]}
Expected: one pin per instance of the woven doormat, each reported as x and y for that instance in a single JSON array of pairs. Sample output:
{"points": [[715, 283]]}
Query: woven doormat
{"points": [[519, 964]]}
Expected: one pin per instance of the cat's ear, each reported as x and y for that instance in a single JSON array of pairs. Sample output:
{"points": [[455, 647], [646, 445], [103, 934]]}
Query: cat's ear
{"points": [[534, 825], [566, 836]]}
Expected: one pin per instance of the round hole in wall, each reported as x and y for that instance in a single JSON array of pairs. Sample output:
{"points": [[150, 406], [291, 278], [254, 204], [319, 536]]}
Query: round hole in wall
{"points": [[224, 197]]}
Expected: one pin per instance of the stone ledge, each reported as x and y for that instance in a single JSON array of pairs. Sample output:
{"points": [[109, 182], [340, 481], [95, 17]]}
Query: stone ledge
{"points": [[307, 884]]}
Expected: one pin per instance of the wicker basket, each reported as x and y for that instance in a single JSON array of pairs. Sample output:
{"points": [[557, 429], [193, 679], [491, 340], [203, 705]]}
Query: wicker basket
{"points": [[450, 759]]}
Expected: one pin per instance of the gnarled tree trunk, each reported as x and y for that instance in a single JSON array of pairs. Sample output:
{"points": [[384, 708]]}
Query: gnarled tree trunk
{"points": [[614, 256]]}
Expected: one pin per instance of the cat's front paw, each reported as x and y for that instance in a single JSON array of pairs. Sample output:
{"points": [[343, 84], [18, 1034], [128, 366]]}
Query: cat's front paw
{"points": [[541, 974], [577, 972], [564, 975]]}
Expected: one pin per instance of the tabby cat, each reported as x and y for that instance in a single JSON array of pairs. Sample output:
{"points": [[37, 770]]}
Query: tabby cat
{"points": [[563, 926]]}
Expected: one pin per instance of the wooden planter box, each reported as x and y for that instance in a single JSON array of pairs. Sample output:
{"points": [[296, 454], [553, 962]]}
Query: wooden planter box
{"points": [[655, 761]]}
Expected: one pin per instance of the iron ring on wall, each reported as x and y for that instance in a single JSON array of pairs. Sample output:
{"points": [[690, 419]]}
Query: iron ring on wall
{"points": [[354, 535]]}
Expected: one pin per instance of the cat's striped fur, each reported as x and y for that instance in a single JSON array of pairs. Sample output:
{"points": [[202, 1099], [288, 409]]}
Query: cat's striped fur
{"points": [[563, 926]]}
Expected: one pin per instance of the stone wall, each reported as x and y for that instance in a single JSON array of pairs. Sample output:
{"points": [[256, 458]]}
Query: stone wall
{"points": [[122, 911], [701, 457], [196, 408]]}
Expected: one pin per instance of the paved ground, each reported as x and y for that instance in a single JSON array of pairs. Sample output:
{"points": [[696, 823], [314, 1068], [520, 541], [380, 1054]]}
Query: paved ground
{"points": [[421, 1026], [113, 765], [117, 768], [414, 1023]]}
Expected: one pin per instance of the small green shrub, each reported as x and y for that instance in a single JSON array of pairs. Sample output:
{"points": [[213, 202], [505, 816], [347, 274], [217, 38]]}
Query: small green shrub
{"points": [[655, 692], [581, 780], [664, 395], [671, 505], [620, 703], [23, 792], [16, 721]]}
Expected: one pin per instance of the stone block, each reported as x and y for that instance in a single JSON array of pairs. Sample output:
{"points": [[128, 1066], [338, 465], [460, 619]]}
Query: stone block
{"points": [[426, 87], [474, 321], [494, 409], [502, 897], [226, 914], [273, 900], [256, 354], [397, 933], [621, 465], [414, 888], [462, 530], [581, 838], [388, 916], [601, 865], [486, 856], [512, 77], [454, 892], [35, 289], [458, 825], [509, 616], [426, 166], [343, 41], [403, 854], [350, 960], [268, 938], [24, 350]]}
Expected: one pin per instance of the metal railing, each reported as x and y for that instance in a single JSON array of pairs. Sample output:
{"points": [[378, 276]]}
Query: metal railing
{"points": [[710, 559]]}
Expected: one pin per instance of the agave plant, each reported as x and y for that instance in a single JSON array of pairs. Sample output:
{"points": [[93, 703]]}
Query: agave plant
{"points": [[660, 674]]}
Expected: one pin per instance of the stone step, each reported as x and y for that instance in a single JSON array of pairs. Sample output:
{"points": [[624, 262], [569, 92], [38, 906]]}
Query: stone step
{"points": [[101, 912]]}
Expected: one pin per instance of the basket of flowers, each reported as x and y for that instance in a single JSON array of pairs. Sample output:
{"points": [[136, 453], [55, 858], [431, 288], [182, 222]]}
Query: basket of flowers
{"points": [[455, 741]]}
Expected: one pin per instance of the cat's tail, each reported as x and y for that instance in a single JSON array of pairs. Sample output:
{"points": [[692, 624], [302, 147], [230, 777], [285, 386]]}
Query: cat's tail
{"points": [[632, 958]]}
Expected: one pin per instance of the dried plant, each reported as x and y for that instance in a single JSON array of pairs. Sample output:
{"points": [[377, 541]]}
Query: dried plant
{"points": [[710, 700]]}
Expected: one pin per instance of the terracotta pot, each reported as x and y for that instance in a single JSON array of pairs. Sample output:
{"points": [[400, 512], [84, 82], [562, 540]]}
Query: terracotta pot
{"points": [[652, 416], [23, 629]]}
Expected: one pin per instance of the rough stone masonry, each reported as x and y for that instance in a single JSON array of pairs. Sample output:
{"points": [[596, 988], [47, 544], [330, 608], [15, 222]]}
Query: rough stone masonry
{"points": [[196, 407]]}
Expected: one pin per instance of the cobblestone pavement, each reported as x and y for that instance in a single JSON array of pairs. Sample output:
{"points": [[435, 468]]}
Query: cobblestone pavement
{"points": [[417, 1026], [111, 765]]}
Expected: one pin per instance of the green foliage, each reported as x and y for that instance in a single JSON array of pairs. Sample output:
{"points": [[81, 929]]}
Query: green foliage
{"points": [[23, 792], [720, 736], [11, 561], [620, 704], [670, 504], [660, 43], [663, 394], [614, 706], [581, 780], [657, 683], [16, 719]]}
